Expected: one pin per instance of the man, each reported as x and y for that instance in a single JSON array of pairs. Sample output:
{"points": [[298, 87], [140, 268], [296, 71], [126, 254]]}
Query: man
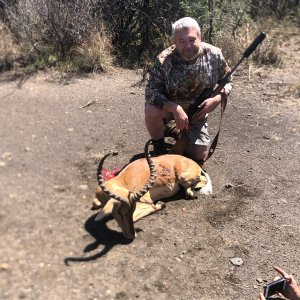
{"points": [[180, 74]]}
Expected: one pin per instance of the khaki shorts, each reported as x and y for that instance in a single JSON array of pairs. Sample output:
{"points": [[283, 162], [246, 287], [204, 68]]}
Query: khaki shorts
{"points": [[199, 133]]}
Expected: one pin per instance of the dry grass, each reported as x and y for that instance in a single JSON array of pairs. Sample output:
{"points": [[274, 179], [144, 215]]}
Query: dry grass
{"points": [[268, 53], [95, 54], [9, 51]]}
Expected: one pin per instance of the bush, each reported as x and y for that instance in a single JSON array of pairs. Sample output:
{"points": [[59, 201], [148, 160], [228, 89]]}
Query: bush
{"points": [[72, 33], [51, 27], [95, 53], [9, 51]]}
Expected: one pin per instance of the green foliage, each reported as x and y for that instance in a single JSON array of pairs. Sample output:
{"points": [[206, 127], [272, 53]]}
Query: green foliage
{"points": [[194, 8], [140, 27], [215, 17]]}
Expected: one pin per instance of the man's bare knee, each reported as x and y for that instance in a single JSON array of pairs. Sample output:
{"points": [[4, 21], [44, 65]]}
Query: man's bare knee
{"points": [[154, 119], [154, 112]]}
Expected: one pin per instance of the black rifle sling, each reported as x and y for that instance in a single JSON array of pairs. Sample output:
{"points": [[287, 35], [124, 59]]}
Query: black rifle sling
{"points": [[215, 141]]}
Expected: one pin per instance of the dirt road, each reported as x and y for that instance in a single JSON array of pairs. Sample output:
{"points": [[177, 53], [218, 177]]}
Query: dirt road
{"points": [[50, 145]]}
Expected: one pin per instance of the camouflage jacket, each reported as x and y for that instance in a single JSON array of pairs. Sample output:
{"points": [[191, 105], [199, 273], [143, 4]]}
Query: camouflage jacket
{"points": [[175, 79]]}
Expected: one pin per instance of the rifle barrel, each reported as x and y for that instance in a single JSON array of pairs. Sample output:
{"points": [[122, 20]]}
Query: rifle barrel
{"points": [[254, 44]]}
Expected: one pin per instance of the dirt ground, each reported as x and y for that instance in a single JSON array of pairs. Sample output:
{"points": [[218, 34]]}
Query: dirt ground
{"points": [[50, 146]]}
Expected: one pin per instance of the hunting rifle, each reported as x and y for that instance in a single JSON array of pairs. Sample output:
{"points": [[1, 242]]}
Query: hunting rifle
{"points": [[179, 146]]}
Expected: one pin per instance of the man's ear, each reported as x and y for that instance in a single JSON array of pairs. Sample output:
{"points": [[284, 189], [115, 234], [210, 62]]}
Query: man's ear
{"points": [[200, 36]]}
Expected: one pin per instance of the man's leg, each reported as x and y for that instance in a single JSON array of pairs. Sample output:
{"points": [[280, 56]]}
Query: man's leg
{"points": [[154, 120], [197, 152], [199, 142]]}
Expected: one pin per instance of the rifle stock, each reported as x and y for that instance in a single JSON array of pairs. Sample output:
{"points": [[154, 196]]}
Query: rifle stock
{"points": [[179, 146]]}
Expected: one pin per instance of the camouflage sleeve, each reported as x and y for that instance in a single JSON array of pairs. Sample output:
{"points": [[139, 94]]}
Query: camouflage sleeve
{"points": [[223, 69], [156, 86]]}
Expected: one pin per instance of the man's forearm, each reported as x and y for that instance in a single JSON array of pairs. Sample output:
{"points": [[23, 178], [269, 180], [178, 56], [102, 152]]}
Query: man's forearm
{"points": [[170, 106]]}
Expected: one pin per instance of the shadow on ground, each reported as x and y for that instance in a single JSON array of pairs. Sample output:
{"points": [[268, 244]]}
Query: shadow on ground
{"points": [[103, 236]]}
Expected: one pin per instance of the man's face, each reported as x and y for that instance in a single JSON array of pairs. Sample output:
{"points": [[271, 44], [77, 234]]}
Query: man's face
{"points": [[187, 43]]}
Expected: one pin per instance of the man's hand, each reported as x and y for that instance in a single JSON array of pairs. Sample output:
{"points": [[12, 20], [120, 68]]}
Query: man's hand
{"points": [[181, 118], [261, 296], [291, 290], [207, 106]]}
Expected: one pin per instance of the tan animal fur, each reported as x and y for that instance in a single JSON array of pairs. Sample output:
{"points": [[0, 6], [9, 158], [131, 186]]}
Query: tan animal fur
{"points": [[172, 173]]}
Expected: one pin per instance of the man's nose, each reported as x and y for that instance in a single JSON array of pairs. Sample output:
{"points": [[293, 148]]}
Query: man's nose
{"points": [[187, 44]]}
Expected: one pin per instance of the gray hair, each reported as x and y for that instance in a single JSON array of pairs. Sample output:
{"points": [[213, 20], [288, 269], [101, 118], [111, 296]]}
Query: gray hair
{"points": [[185, 23]]}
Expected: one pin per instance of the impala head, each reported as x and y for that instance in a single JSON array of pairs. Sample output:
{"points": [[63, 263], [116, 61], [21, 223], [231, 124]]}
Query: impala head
{"points": [[123, 214], [124, 207], [122, 210]]}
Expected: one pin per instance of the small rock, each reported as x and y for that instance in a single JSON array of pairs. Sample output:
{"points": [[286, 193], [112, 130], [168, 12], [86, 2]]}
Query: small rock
{"points": [[7, 155], [259, 280], [4, 267], [70, 129], [27, 149], [59, 188], [229, 185], [2, 164], [237, 261], [83, 187], [108, 293], [25, 293]]}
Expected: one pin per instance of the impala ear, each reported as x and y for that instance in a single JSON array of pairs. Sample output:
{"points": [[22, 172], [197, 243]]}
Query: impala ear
{"points": [[101, 196], [207, 189], [106, 210], [96, 204]]}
